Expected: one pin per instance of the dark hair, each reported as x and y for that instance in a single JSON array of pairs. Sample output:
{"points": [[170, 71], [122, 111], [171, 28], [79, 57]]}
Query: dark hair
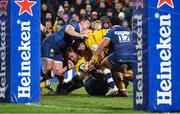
{"points": [[68, 50], [84, 18], [76, 44]]}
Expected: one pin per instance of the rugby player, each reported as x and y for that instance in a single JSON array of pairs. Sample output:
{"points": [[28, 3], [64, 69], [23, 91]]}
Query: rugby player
{"points": [[54, 46], [92, 42], [119, 42], [93, 80]]}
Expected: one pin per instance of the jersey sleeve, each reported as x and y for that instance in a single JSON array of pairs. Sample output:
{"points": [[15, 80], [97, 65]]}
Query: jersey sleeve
{"points": [[109, 34], [75, 25]]}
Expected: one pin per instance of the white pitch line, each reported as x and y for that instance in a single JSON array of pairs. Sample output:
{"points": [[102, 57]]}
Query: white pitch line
{"points": [[58, 107], [46, 106]]}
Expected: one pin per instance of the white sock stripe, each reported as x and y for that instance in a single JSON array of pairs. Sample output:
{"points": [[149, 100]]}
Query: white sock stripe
{"points": [[106, 71], [123, 89], [52, 74], [45, 58], [110, 80], [58, 62], [121, 76]]}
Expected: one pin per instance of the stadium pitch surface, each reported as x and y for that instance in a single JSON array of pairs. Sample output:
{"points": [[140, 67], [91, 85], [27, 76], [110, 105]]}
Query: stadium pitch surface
{"points": [[77, 102]]}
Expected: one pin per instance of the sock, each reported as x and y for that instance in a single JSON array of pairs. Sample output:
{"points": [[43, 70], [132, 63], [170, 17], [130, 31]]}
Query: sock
{"points": [[47, 76], [43, 84], [121, 84], [109, 78]]}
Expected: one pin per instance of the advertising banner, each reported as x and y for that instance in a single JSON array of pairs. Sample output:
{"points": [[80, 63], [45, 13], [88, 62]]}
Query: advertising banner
{"points": [[159, 78], [21, 32]]}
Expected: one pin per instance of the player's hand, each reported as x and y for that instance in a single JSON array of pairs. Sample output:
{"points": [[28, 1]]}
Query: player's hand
{"points": [[43, 28], [85, 33], [90, 63], [86, 66], [70, 64], [83, 36]]}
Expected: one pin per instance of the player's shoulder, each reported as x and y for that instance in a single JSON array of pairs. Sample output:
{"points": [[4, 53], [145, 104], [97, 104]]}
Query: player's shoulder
{"points": [[119, 28], [102, 29], [73, 23]]}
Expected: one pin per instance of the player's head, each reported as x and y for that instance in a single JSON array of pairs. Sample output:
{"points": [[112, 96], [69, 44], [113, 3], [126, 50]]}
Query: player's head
{"points": [[84, 22], [79, 45], [96, 25], [72, 55]]}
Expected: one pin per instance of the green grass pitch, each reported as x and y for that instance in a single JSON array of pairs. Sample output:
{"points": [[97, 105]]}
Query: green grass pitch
{"points": [[77, 102]]}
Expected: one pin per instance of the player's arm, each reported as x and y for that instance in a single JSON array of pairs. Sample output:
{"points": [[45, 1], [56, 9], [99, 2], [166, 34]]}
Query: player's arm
{"points": [[103, 44], [71, 31], [67, 67]]}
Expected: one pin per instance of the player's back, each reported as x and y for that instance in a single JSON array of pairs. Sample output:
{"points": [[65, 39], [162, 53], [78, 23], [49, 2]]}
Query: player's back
{"points": [[68, 38], [84, 58], [61, 39], [95, 38], [120, 39]]}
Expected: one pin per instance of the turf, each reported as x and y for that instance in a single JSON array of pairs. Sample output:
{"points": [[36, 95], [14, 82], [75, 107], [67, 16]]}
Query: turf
{"points": [[77, 102]]}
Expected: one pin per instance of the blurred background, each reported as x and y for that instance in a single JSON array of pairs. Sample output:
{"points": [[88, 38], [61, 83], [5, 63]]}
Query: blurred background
{"points": [[56, 13]]}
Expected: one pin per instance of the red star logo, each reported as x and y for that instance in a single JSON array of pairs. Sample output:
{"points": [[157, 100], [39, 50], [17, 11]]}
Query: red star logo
{"points": [[162, 2], [25, 6], [3, 5], [139, 3]]}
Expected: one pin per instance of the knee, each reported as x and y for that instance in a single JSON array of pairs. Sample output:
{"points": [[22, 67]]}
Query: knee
{"points": [[103, 65], [58, 72], [47, 66], [124, 67]]}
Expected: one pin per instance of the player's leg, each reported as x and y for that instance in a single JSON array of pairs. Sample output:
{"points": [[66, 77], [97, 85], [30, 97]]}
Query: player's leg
{"points": [[47, 84], [66, 88], [121, 67], [88, 85], [128, 74], [46, 70], [48, 56], [106, 66], [95, 87], [47, 53], [46, 74], [57, 68], [120, 83], [54, 68]]}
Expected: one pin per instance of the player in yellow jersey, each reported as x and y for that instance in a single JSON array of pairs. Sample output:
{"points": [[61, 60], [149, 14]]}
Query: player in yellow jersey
{"points": [[96, 36], [92, 42], [82, 59], [93, 80]]}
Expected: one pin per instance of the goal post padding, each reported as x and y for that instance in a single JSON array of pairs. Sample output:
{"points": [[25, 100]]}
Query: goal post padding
{"points": [[20, 51], [156, 28]]}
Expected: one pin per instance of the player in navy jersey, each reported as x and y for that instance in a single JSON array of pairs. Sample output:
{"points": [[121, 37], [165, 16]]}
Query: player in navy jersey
{"points": [[55, 45], [119, 41]]}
